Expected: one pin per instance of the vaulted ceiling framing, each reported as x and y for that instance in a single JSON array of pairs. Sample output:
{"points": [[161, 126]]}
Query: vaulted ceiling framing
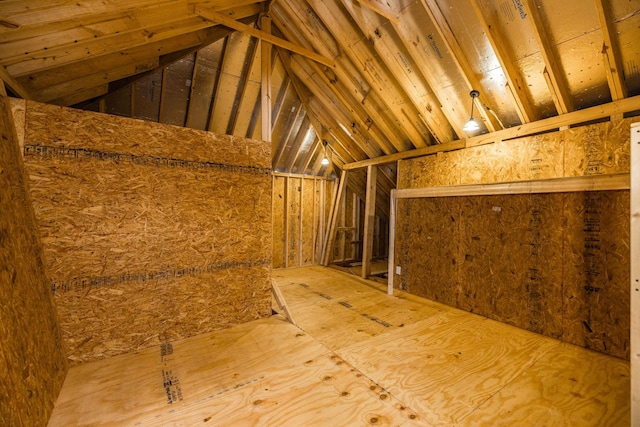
{"points": [[373, 78]]}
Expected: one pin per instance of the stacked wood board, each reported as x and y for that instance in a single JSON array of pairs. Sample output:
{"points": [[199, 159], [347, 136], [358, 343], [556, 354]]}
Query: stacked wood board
{"points": [[32, 357], [151, 232], [557, 264]]}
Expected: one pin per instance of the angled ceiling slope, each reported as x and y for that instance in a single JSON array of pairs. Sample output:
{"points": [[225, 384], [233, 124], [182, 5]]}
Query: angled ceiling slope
{"points": [[372, 78]]}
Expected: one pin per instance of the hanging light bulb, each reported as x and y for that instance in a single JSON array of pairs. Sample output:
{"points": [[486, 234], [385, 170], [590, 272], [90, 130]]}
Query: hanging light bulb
{"points": [[472, 125], [325, 159]]}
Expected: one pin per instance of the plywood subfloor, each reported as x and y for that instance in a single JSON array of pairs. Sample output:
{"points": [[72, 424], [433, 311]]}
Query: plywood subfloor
{"points": [[357, 357]]}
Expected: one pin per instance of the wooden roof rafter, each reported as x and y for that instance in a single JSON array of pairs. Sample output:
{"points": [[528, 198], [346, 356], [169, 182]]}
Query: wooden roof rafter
{"points": [[611, 54], [460, 59], [554, 75], [345, 88], [517, 87], [406, 32], [422, 109]]}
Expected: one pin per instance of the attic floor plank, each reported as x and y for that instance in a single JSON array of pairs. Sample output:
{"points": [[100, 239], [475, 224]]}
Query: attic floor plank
{"points": [[454, 367], [262, 373], [357, 357]]}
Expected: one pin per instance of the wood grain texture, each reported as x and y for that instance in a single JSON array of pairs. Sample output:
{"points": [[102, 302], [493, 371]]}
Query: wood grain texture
{"points": [[178, 220], [431, 366], [455, 368], [266, 372], [32, 356], [567, 386]]}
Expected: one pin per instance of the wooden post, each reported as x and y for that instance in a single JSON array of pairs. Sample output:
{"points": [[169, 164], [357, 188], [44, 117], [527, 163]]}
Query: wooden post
{"points": [[369, 220], [286, 222], [331, 233], [392, 241], [266, 47], [300, 221], [635, 274]]}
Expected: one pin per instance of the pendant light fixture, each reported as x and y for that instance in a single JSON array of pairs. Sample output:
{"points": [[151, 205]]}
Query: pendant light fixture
{"points": [[325, 159], [472, 125]]}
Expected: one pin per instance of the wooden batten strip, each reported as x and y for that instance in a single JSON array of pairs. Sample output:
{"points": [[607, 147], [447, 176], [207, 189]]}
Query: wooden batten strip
{"points": [[556, 185], [369, 220], [280, 301], [432, 149]]}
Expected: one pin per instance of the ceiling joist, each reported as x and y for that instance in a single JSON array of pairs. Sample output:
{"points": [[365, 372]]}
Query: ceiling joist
{"points": [[270, 38]]}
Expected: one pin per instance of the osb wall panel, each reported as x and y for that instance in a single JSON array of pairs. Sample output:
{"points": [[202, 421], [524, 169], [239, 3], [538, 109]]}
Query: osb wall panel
{"points": [[598, 149], [555, 264], [596, 269], [432, 227], [279, 210], [510, 260], [160, 215], [601, 148], [32, 360]]}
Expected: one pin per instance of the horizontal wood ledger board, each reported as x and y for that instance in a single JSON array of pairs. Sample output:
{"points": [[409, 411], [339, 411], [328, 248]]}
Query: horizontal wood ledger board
{"points": [[150, 231]]}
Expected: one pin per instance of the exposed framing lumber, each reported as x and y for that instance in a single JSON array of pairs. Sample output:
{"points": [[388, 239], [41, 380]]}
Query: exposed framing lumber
{"points": [[452, 45], [432, 149], [333, 219], [280, 301], [12, 84], [635, 274], [388, 14], [360, 64], [213, 16], [525, 109], [617, 108], [265, 82], [369, 220], [611, 109], [556, 79], [611, 54], [556, 185]]}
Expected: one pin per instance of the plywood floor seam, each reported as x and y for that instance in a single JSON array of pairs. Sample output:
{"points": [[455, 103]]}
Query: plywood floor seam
{"points": [[357, 357]]}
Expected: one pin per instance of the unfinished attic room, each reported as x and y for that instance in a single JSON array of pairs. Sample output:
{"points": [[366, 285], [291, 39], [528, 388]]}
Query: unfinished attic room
{"points": [[320, 213]]}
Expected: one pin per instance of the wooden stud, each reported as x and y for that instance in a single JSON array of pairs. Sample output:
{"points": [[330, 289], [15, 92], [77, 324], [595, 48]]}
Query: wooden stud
{"points": [[369, 220], [286, 222], [393, 207], [635, 274], [326, 253], [211, 15], [300, 222]]}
